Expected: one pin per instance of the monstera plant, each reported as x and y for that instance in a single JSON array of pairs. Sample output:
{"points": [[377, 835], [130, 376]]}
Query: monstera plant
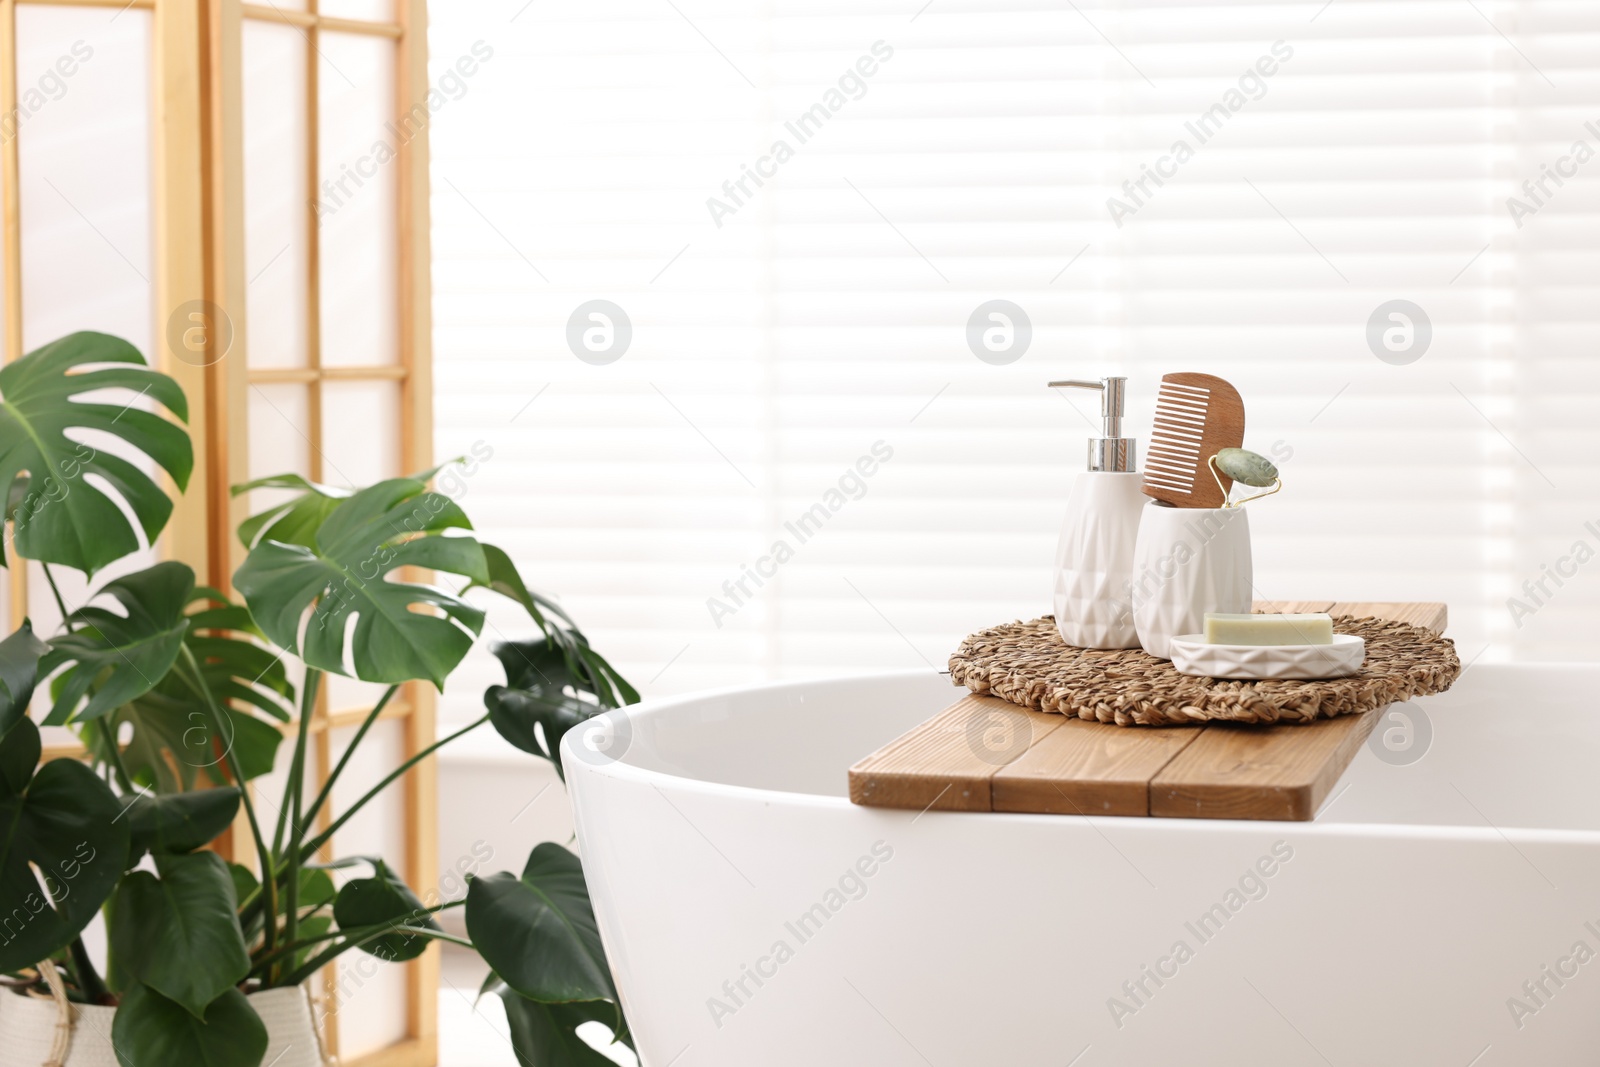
{"points": [[182, 697]]}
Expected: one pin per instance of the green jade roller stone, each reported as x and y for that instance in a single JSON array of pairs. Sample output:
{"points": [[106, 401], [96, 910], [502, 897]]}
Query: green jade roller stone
{"points": [[1247, 467]]}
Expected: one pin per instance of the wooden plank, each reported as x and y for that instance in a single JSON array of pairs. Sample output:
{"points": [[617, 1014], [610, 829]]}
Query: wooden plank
{"points": [[329, 24], [392, 372], [322, 748], [1291, 607], [311, 111], [304, 20], [121, 5], [415, 362], [229, 281], [1434, 617], [180, 195], [948, 762], [11, 205], [408, 1052], [312, 115], [970, 757], [67, 751], [1089, 768], [1240, 771], [283, 375], [10, 185], [307, 20]]}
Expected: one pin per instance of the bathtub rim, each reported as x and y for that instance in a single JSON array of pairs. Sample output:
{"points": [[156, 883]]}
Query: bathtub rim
{"points": [[623, 772]]}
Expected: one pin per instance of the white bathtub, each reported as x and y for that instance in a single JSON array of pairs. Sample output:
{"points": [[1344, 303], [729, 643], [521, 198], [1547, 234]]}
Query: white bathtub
{"points": [[1399, 928]]}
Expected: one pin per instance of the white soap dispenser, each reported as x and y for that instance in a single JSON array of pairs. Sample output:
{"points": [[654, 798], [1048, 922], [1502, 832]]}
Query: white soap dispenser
{"points": [[1094, 560]]}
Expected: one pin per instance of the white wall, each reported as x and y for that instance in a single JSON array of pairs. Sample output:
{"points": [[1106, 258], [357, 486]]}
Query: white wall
{"points": [[981, 161]]}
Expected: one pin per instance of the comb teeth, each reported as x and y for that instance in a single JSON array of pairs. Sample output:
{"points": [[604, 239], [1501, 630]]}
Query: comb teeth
{"points": [[1173, 458]]}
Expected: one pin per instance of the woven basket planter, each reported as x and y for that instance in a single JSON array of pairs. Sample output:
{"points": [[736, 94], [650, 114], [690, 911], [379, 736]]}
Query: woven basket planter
{"points": [[31, 1029]]}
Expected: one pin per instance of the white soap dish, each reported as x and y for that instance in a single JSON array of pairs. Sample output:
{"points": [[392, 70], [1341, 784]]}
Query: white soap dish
{"points": [[1191, 655]]}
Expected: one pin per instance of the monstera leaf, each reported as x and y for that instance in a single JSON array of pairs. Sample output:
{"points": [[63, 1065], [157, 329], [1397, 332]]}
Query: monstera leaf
{"points": [[150, 1029], [562, 660], [547, 1034], [539, 677], [538, 932], [176, 931], [61, 517], [507, 581], [179, 822], [541, 702], [19, 669], [381, 899], [585, 669], [175, 745], [112, 659], [396, 523], [61, 823], [520, 716], [295, 519], [175, 742], [236, 670], [316, 893]]}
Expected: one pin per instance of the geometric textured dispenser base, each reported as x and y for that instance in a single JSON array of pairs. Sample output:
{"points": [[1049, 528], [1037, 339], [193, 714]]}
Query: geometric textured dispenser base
{"points": [[987, 754]]}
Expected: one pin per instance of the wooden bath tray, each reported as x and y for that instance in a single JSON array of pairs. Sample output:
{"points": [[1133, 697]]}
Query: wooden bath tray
{"points": [[985, 754]]}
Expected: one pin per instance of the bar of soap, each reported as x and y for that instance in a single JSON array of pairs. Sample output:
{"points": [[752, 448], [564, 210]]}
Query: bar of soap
{"points": [[1308, 629]]}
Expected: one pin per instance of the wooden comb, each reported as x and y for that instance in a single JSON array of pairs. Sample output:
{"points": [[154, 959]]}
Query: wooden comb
{"points": [[1197, 416]]}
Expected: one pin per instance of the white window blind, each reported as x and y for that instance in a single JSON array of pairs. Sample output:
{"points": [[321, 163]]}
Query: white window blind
{"points": [[1335, 158]]}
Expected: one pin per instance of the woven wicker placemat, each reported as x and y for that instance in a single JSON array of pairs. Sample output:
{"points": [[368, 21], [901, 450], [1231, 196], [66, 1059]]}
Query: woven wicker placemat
{"points": [[1028, 664]]}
